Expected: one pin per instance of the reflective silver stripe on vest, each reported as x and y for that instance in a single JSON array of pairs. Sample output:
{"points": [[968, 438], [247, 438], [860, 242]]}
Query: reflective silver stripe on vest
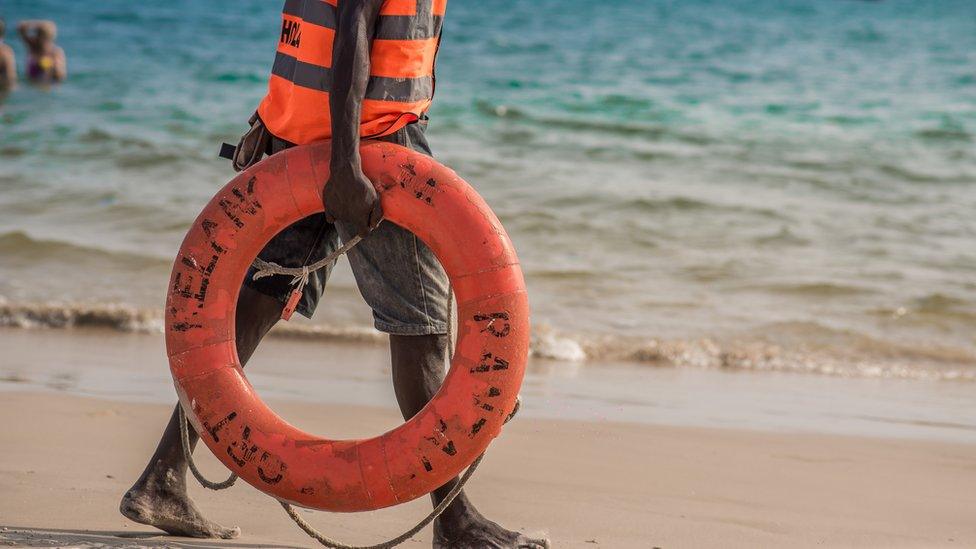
{"points": [[381, 88], [312, 11], [408, 27], [422, 26], [302, 74], [406, 90]]}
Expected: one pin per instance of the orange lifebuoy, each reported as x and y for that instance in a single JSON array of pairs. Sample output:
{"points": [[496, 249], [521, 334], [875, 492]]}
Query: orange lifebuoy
{"points": [[429, 449]]}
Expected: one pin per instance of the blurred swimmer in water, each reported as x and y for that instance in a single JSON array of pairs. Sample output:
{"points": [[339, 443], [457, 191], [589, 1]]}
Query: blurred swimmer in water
{"points": [[8, 63], [45, 60]]}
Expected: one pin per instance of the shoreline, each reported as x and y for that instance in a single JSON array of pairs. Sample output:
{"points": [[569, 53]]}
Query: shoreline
{"points": [[779, 347], [68, 459], [132, 367]]}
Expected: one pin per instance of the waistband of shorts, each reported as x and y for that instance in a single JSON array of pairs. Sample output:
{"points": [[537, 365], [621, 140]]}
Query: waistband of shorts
{"points": [[400, 137]]}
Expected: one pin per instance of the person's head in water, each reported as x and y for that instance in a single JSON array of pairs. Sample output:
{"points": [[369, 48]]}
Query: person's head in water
{"points": [[3, 28], [46, 34], [43, 37]]}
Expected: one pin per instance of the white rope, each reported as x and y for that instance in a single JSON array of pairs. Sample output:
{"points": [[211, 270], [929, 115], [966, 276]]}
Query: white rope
{"points": [[185, 436], [266, 268]]}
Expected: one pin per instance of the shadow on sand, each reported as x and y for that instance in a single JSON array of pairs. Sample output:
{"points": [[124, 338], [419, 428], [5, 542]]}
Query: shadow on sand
{"points": [[16, 536]]}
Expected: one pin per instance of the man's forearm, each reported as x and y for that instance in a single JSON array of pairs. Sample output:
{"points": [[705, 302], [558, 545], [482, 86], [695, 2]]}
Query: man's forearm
{"points": [[350, 76]]}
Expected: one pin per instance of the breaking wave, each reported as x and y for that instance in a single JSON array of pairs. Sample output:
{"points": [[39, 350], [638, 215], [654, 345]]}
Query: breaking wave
{"points": [[57, 315], [853, 356]]}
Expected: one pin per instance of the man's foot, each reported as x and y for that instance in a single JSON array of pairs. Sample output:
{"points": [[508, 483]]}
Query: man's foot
{"points": [[477, 532], [166, 506]]}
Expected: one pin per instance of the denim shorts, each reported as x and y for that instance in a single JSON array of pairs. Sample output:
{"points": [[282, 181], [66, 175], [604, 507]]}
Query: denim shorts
{"points": [[397, 274]]}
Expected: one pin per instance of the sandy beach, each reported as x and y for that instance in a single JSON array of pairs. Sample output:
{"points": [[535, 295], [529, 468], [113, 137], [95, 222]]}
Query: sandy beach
{"points": [[601, 456], [746, 232], [66, 461]]}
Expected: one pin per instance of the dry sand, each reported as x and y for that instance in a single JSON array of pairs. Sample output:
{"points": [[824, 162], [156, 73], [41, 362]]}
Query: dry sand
{"points": [[66, 460]]}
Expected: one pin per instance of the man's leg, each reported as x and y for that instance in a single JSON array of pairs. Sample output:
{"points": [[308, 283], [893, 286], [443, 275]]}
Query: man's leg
{"points": [[418, 370], [159, 497], [405, 285]]}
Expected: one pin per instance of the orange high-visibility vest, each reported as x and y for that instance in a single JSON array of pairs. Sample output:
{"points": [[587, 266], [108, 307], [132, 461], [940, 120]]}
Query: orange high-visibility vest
{"points": [[401, 83]]}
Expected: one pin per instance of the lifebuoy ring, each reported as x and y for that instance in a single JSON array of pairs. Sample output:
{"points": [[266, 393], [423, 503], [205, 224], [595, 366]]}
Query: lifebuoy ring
{"points": [[420, 455]]}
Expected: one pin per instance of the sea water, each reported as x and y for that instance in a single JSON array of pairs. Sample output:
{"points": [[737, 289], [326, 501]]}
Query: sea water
{"points": [[766, 185]]}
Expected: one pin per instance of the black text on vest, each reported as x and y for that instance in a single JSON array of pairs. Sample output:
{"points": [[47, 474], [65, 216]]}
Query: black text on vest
{"points": [[291, 33]]}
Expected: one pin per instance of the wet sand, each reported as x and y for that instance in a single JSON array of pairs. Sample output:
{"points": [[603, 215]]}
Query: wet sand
{"points": [[66, 460], [132, 367]]}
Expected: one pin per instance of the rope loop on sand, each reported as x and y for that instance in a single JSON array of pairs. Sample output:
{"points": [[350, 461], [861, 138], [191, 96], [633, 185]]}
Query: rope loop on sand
{"points": [[300, 278], [436, 512], [441, 507], [444, 504]]}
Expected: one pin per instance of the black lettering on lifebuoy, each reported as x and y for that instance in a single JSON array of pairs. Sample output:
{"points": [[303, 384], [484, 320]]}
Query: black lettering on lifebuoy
{"points": [[208, 227], [449, 448], [183, 288], [193, 264], [219, 425], [247, 449], [185, 326], [491, 319], [408, 171], [425, 192], [246, 204], [491, 393], [490, 362], [184, 281], [438, 437], [228, 207], [274, 464]]}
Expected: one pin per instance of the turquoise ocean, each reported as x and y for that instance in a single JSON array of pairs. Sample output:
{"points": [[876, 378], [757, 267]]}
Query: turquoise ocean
{"points": [[761, 185]]}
